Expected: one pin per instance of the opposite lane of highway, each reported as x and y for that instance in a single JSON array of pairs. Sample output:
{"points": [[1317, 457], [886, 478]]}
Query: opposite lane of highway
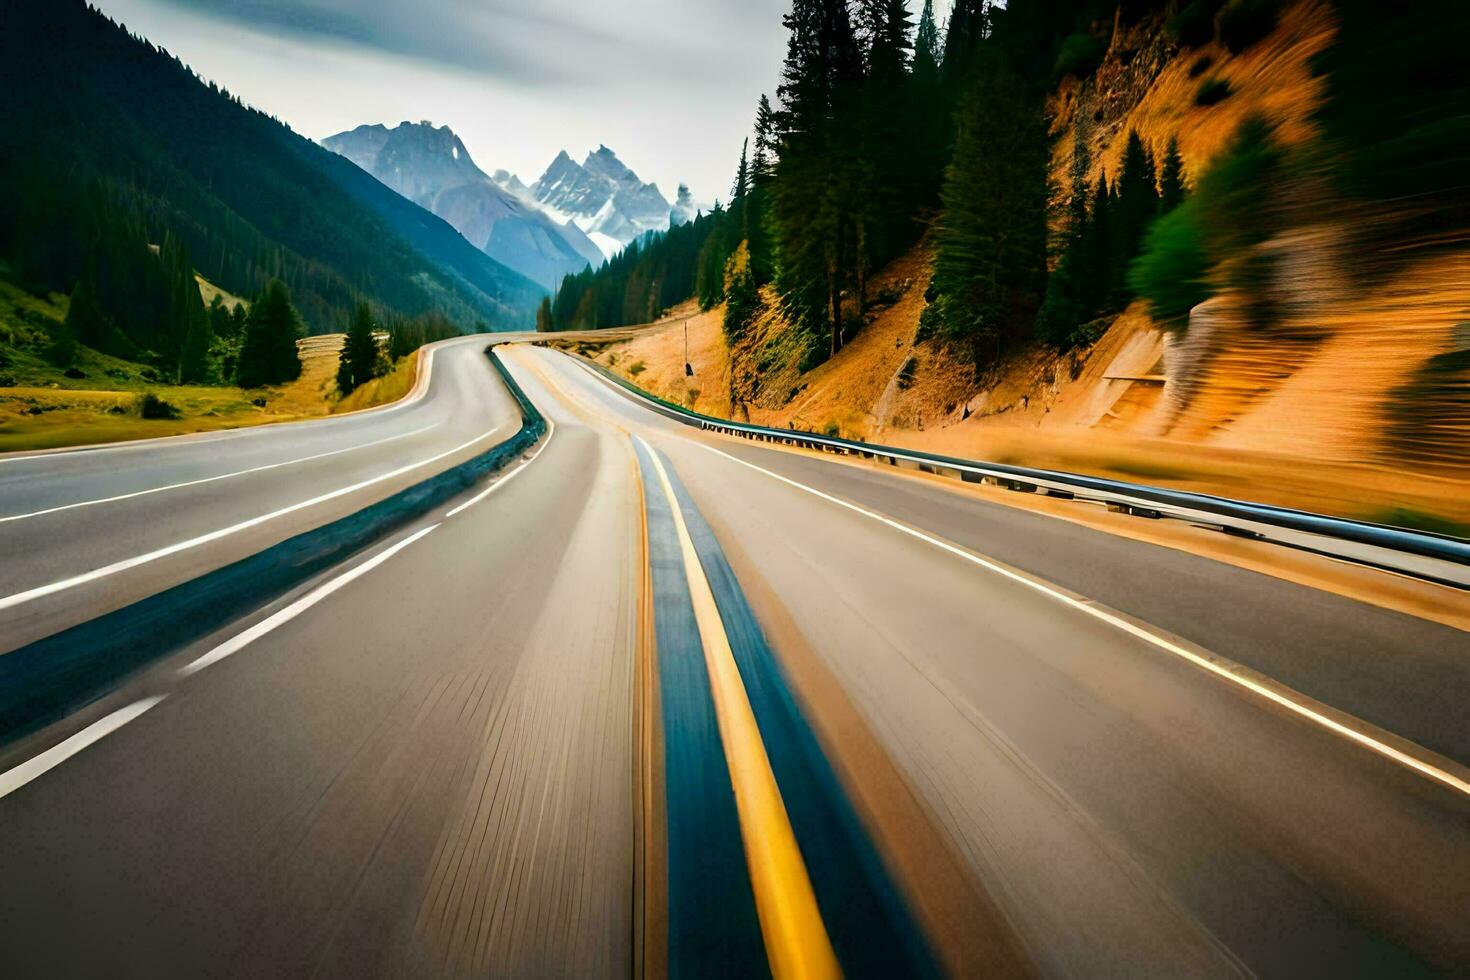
{"points": [[169, 494]]}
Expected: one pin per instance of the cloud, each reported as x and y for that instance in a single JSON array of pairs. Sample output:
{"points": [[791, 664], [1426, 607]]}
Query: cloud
{"points": [[670, 84], [556, 43]]}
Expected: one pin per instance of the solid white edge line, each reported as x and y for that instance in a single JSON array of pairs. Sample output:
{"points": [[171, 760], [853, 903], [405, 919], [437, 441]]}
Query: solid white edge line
{"points": [[245, 638], [13, 779], [502, 481], [61, 585], [1172, 511], [1367, 741], [211, 479]]}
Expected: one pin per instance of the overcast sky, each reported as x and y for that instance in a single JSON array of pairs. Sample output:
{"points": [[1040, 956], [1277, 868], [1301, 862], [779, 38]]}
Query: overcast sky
{"points": [[671, 85]]}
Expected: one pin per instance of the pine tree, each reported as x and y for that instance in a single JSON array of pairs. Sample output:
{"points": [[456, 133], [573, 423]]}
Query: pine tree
{"points": [[927, 109], [926, 43], [736, 228], [814, 192], [1094, 274], [764, 160], [195, 346], [887, 185], [358, 362], [990, 246], [1062, 309], [709, 283], [741, 187], [1171, 178], [544, 320], [268, 353], [1137, 206], [757, 210], [969, 25], [187, 333]]}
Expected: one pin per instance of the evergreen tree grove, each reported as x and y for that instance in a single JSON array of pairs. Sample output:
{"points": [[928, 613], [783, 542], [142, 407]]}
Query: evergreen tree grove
{"points": [[927, 111], [990, 245], [815, 191], [882, 125], [90, 325]]}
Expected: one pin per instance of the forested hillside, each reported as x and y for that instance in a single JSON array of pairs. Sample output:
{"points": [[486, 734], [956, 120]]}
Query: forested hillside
{"points": [[1269, 195], [121, 172]]}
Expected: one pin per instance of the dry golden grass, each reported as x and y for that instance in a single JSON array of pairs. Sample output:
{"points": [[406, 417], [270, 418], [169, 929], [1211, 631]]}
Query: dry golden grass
{"points": [[660, 350], [34, 418], [1104, 420], [1154, 95], [380, 391]]}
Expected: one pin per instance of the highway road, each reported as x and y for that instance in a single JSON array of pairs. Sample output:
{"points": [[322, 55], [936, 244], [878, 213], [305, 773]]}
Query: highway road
{"points": [[651, 700], [68, 519]]}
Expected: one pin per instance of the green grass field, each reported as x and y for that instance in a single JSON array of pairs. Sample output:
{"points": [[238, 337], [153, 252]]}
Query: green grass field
{"points": [[41, 407]]}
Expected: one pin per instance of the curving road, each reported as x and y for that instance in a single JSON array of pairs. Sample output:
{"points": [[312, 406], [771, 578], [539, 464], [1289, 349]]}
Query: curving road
{"points": [[67, 519], [651, 700]]}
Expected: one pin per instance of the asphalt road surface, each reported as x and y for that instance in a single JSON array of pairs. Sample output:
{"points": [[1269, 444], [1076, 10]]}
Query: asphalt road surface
{"points": [[652, 700]]}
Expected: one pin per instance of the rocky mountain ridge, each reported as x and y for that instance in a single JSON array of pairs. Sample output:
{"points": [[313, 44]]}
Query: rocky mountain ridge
{"points": [[602, 196], [431, 167]]}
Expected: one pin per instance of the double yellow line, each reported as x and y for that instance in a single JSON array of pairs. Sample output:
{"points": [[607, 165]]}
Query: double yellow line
{"points": [[796, 940], [795, 937]]}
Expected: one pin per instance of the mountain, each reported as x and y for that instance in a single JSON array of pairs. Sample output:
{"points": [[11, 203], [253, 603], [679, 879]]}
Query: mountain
{"points": [[431, 167], [108, 137], [509, 181], [603, 197]]}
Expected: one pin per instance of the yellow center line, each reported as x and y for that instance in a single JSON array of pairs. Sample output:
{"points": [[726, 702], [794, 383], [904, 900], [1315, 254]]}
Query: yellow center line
{"points": [[796, 940]]}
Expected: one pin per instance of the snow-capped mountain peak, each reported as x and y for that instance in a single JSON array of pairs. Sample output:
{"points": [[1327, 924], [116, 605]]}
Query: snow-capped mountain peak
{"points": [[603, 197], [432, 167], [605, 162]]}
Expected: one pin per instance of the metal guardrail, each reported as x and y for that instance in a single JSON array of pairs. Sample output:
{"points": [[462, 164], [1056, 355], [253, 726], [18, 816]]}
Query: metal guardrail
{"points": [[1425, 555]]}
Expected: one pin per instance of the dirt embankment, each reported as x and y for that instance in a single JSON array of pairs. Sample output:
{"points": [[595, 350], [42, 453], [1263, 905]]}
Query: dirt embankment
{"points": [[1089, 411], [1355, 400]]}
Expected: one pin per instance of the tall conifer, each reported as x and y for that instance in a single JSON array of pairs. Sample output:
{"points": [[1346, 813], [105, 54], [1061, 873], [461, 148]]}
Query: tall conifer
{"points": [[990, 255], [813, 196], [927, 110], [1171, 178], [358, 362], [268, 352]]}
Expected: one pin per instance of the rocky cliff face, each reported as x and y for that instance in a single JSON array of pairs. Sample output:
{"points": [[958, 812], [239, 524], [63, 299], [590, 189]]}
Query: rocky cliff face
{"points": [[431, 167]]}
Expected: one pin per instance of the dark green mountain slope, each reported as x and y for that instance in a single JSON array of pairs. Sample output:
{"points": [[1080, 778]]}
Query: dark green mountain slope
{"points": [[107, 138]]}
